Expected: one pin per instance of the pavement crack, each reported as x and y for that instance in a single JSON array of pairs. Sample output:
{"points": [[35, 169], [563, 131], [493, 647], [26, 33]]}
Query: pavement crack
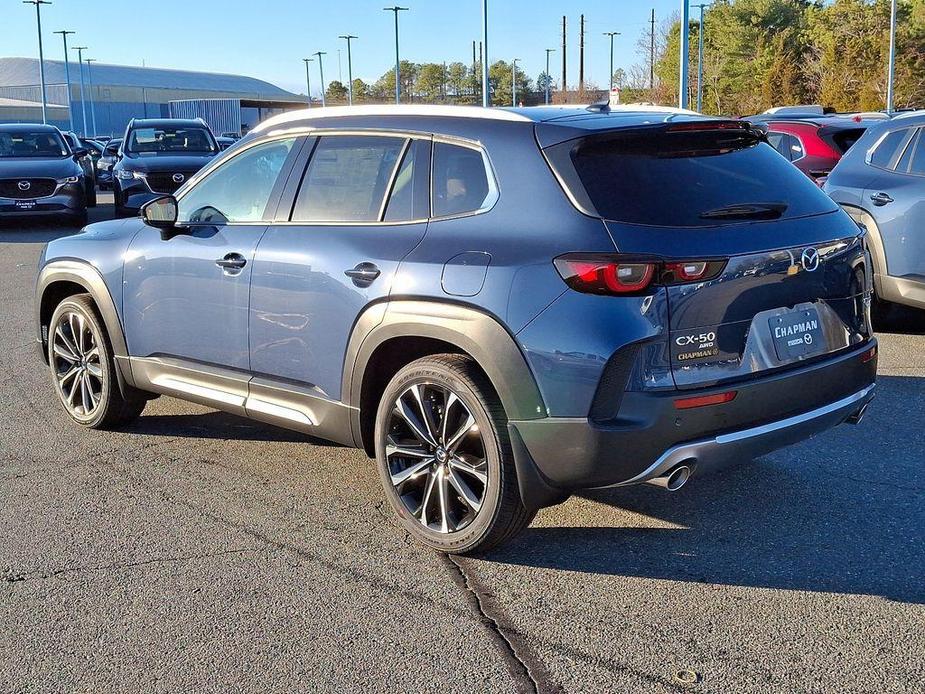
{"points": [[9, 576], [526, 669]]}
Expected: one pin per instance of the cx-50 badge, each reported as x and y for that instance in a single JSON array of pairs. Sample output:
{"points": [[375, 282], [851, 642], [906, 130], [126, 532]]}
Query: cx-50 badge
{"points": [[810, 259], [178, 178], [24, 185]]}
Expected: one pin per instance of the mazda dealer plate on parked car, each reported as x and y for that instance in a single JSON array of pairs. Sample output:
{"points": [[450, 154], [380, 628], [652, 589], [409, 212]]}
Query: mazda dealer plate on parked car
{"points": [[796, 334], [25, 204]]}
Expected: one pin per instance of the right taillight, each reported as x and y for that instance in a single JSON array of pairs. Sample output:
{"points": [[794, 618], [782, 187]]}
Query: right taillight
{"points": [[616, 275]]}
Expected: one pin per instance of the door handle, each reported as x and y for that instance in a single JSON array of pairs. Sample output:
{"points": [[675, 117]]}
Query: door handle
{"points": [[881, 199], [231, 262], [363, 274]]}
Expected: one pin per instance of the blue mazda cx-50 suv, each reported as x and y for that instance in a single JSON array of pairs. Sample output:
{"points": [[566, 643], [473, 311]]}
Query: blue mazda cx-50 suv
{"points": [[501, 306]]}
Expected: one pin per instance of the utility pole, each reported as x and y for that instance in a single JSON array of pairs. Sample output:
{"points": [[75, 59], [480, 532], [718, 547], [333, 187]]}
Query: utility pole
{"points": [[892, 64], [514, 82], [581, 54], [564, 88], [652, 52], [548, 77], [308, 80], [700, 60], [395, 10], [348, 38], [486, 87], [83, 98], [67, 77], [38, 20], [611, 34], [90, 91], [685, 54], [321, 73], [475, 80]]}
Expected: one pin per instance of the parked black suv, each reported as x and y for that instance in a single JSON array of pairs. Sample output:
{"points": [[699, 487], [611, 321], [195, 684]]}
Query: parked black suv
{"points": [[157, 156]]}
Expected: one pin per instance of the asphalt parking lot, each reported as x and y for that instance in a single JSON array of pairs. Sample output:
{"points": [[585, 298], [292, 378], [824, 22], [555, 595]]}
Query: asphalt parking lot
{"points": [[200, 552]]}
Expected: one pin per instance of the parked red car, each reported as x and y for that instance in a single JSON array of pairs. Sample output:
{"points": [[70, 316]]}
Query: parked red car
{"points": [[815, 146]]}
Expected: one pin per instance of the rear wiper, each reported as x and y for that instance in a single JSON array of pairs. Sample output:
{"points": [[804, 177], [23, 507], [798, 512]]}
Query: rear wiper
{"points": [[747, 210]]}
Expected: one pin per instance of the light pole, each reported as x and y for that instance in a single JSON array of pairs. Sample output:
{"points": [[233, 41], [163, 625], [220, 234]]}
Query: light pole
{"points": [[486, 97], [83, 98], [892, 65], [348, 37], [611, 34], [90, 91], [700, 60], [514, 82], [38, 20], [548, 78], [396, 9], [308, 79], [684, 57], [321, 73], [67, 77]]}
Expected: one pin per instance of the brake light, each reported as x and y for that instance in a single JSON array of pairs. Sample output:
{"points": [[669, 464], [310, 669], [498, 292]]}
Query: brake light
{"points": [[705, 125], [869, 355], [704, 400], [605, 276]]}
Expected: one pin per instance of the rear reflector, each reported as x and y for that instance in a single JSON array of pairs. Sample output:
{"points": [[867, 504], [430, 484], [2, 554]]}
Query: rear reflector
{"points": [[869, 355], [704, 400]]}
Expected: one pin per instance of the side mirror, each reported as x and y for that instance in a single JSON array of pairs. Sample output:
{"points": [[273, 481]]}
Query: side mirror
{"points": [[161, 213]]}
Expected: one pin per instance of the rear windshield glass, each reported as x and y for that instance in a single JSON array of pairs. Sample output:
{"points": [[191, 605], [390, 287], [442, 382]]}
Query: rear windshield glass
{"points": [[692, 179], [844, 139]]}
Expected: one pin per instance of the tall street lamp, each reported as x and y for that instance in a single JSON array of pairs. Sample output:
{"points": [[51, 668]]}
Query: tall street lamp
{"points": [[67, 77], [348, 37], [548, 78], [83, 98], [514, 82], [396, 9], [90, 90], [38, 20], [700, 60], [321, 73], [308, 80], [685, 54], [891, 68], [611, 34], [486, 96]]}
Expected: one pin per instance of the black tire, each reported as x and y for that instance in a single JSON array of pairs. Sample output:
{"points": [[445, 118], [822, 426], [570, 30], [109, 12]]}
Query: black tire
{"points": [[91, 196], [501, 514], [109, 408], [882, 313]]}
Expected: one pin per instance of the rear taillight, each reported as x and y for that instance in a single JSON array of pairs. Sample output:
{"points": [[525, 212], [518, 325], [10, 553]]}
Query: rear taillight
{"points": [[616, 275], [605, 276], [869, 355]]}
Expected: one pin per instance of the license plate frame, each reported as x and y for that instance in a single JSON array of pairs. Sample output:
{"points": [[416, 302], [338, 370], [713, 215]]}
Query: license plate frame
{"points": [[797, 334]]}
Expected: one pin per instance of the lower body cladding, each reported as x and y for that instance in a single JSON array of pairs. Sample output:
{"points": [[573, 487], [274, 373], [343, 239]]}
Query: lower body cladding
{"points": [[663, 438], [68, 202]]}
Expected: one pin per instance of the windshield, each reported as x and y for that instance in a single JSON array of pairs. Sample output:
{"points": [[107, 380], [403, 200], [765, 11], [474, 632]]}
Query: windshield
{"points": [[170, 139], [32, 144], [691, 179]]}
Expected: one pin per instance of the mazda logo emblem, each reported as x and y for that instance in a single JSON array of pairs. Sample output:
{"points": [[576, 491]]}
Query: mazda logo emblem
{"points": [[24, 185], [178, 178], [810, 259]]}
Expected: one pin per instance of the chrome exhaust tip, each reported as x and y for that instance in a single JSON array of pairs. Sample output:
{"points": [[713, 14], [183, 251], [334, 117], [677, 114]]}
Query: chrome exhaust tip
{"points": [[674, 480], [859, 415]]}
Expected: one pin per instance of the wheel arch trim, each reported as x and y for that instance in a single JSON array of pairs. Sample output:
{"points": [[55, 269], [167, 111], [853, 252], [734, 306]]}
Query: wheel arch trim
{"points": [[877, 252]]}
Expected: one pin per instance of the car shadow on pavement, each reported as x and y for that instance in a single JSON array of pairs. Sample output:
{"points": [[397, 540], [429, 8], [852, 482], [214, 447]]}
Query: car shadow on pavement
{"points": [[841, 513], [902, 319], [217, 425]]}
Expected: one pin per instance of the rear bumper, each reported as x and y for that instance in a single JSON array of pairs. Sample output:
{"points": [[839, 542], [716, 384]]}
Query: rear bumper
{"points": [[650, 436]]}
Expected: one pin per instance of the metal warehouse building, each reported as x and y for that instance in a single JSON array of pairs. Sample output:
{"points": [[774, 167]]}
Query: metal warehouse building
{"points": [[229, 103]]}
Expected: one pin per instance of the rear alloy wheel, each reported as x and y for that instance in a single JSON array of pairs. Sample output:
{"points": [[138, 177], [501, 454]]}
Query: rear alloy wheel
{"points": [[445, 458], [83, 369]]}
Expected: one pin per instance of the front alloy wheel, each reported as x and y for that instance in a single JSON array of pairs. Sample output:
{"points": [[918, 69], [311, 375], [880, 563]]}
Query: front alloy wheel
{"points": [[76, 363]]}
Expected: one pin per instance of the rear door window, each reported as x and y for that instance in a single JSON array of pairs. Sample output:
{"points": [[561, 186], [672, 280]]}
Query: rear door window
{"points": [[917, 158], [659, 177], [347, 178], [890, 148]]}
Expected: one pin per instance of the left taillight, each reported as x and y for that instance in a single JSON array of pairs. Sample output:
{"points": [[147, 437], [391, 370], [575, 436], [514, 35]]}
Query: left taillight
{"points": [[616, 275]]}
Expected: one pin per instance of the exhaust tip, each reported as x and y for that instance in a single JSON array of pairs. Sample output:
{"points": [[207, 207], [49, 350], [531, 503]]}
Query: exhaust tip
{"points": [[859, 415], [674, 480]]}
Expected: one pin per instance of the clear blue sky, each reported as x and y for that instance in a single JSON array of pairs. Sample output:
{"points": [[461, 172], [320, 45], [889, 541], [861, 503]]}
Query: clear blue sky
{"points": [[267, 39]]}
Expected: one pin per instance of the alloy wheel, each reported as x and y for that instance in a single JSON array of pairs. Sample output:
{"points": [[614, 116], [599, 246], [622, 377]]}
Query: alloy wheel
{"points": [[76, 362], [436, 457]]}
